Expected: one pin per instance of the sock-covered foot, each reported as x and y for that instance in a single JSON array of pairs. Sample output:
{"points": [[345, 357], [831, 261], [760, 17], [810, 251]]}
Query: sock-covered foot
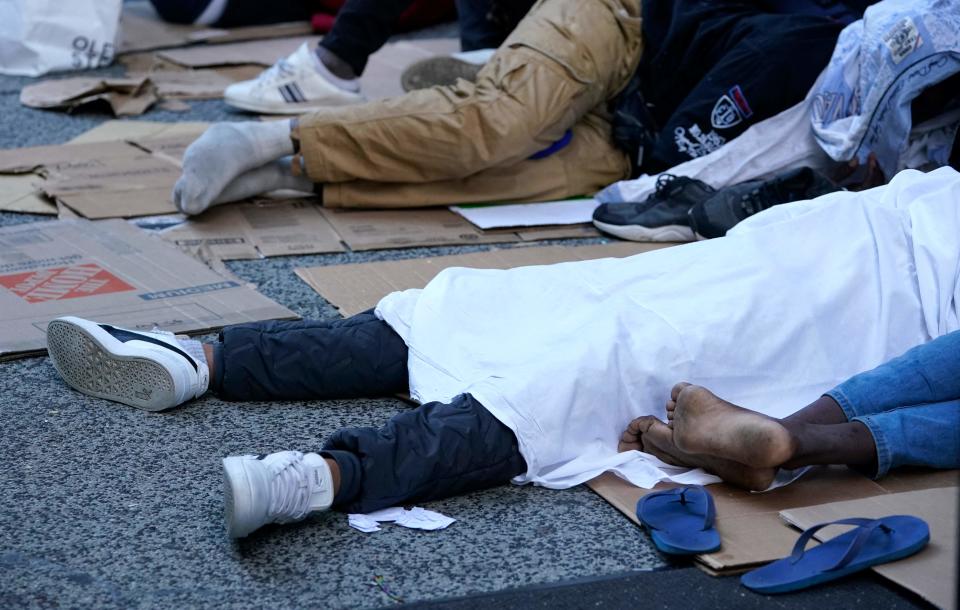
{"points": [[277, 488], [296, 84], [223, 153], [147, 370], [705, 424], [273, 176]]}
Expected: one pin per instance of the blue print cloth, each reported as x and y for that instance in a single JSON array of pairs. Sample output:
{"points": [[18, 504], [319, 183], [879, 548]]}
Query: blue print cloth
{"points": [[862, 103]]}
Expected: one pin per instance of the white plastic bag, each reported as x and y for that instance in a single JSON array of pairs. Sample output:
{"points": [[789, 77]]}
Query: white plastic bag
{"points": [[40, 36]]}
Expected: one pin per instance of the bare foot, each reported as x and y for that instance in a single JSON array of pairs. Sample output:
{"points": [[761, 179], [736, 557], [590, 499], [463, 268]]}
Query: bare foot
{"points": [[706, 424], [672, 403], [650, 435]]}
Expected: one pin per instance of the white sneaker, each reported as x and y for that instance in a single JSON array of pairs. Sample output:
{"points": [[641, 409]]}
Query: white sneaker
{"points": [[147, 370], [277, 488], [292, 86]]}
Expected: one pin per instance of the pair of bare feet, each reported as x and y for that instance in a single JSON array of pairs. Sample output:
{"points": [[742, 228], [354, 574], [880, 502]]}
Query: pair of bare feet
{"points": [[740, 446]]}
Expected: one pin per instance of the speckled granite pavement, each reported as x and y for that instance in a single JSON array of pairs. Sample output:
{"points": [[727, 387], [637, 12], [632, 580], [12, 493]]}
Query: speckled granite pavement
{"points": [[108, 507]]}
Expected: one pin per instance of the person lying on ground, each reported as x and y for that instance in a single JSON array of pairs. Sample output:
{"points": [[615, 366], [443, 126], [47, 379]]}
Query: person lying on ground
{"points": [[564, 107], [532, 374], [905, 412]]}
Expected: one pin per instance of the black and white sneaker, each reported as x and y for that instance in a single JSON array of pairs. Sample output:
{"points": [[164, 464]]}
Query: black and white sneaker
{"points": [[721, 212], [146, 370], [663, 216]]}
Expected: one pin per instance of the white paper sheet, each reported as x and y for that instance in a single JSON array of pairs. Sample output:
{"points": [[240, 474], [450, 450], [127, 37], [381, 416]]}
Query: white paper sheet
{"points": [[416, 518], [568, 212]]}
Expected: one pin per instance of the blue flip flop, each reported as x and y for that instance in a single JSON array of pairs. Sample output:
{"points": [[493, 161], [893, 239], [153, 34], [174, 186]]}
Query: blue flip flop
{"points": [[680, 520], [872, 542]]}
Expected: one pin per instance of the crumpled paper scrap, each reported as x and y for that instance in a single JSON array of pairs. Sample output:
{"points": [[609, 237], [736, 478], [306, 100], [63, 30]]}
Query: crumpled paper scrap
{"points": [[416, 518]]}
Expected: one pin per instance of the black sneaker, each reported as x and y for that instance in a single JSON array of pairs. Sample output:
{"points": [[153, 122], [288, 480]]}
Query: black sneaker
{"points": [[720, 213], [663, 216]]}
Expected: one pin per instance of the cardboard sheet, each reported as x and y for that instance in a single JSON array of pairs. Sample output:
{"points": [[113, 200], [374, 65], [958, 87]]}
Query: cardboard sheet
{"points": [[124, 96], [133, 130], [494, 216], [750, 525], [141, 30], [129, 96], [189, 84], [358, 287], [380, 79], [19, 193], [287, 222], [256, 229], [381, 229], [932, 573], [113, 272], [100, 179], [23, 192]]}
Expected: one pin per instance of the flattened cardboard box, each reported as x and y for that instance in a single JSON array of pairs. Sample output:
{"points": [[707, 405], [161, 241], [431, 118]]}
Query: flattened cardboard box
{"points": [[125, 96], [749, 524], [24, 192], [358, 287], [111, 272], [256, 229], [931, 573], [98, 179]]}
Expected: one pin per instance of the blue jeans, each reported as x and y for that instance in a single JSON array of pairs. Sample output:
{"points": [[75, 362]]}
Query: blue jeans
{"points": [[911, 405]]}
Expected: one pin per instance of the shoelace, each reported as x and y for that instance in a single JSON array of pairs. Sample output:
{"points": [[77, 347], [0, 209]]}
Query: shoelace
{"points": [[289, 489], [281, 69]]}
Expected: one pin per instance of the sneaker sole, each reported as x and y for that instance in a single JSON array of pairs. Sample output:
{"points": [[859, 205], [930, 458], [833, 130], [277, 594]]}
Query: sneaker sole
{"points": [[434, 71], [291, 109], [667, 233], [90, 367], [237, 515]]}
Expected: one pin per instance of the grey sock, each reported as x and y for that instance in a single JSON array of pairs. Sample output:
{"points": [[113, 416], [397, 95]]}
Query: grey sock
{"points": [[223, 153]]}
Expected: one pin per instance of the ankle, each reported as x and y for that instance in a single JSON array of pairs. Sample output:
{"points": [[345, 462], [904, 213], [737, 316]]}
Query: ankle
{"points": [[209, 354], [796, 432], [335, 474], [336, 66]]}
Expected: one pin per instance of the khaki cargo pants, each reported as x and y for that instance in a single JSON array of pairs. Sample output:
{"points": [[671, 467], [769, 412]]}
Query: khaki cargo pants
{"points": [[471, 142]]}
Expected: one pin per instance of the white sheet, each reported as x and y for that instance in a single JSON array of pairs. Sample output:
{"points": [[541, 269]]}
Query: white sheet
{"points": [[567, 212], [792, 302]]}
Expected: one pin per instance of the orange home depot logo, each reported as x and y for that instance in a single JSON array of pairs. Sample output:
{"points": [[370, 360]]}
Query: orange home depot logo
{"points": [[59, 283]]}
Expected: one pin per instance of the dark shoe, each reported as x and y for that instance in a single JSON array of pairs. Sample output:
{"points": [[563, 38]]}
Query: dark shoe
{"points": [[441, 70], [721, 212], [663, 216]]}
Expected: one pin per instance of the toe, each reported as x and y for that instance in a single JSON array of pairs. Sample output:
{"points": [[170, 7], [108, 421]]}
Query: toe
{"points": [[675, 392], [690, 393], [671, 407]]}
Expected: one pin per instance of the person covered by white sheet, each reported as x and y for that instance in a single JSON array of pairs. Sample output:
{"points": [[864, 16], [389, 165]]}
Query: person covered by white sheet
{"points": [[539, 374]]}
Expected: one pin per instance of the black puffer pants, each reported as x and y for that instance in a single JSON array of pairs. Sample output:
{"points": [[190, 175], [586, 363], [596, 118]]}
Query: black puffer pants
{"points": [[433, 451]]}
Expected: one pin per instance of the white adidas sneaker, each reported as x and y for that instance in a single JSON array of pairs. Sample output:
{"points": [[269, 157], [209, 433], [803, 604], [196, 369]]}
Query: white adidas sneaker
{"points": [[291, 86], [277, 488], [146, 370]]}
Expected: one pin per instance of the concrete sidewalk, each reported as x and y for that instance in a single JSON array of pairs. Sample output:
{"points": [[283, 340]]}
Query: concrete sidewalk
{"points": [[108, 507]]}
